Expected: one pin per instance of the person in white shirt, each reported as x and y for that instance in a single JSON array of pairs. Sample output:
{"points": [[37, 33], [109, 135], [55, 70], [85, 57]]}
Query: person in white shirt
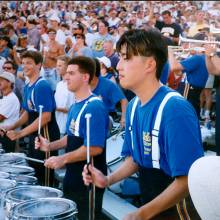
{"points": [[9, 108], [63, 97]]}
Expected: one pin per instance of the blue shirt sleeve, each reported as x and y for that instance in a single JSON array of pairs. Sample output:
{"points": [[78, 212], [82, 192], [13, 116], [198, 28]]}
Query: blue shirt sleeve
{"points": [[98, 124], [182, 141], [191, 64], [43, 95]]}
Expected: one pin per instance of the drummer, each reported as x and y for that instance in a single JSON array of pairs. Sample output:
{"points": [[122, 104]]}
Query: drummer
{"points": [[36, 92], [80, 72], [161, 152]]}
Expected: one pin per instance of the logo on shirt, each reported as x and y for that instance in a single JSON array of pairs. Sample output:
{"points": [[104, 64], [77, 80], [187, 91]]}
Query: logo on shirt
{"points": [[30, 105], [98, 45], [72, 126], [147, 143]]}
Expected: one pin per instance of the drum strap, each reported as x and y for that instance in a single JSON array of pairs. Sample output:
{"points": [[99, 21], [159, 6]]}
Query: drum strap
{"points": [[76, 133], [156, 128]]}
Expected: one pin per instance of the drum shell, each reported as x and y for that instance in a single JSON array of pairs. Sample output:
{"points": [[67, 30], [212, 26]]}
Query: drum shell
{"points": [[24, 193], [23, 210]]}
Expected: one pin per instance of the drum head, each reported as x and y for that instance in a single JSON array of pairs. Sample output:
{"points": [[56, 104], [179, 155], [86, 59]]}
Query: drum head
{"points": [[17, 169], [4, 175], [47, 208], [25, 180], [11, 158], [6, 184], [24, 193]]}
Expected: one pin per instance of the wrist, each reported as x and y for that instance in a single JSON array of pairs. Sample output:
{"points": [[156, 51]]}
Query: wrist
{"points": [[107, 181]]}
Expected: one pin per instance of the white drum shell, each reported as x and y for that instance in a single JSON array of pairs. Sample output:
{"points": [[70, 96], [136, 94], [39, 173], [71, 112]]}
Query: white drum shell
{"points": [[25, 193], [44, 209]]}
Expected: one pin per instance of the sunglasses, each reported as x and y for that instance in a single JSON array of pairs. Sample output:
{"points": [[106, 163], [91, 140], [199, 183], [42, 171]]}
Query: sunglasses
{"points": [[7, 68], [78, 37]]}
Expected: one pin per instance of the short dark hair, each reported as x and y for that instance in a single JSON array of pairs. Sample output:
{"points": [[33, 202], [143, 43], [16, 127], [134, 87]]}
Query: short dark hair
{"points": [[85, 65], [34, 55], [51, 30], [104, 22], [97, 67], [145, 43], [13, 64], [166, 12]]}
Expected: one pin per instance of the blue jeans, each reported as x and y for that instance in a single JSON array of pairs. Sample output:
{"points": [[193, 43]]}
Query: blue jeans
{"points": [[52, 77]]}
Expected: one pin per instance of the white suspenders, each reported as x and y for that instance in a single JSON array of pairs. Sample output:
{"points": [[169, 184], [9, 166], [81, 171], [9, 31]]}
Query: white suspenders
{"points": [[156, 128], [32, 94], [76, 131]]}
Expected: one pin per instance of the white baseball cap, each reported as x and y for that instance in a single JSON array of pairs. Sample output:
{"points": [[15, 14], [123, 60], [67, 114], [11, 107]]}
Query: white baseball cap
{"points": [[105, 60], [55, 18], [8, 76]]}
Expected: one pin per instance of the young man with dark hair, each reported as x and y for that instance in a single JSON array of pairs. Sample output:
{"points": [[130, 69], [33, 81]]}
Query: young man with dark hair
{"points": [[168, 28], [37, 92], [79, 74], [154, 145]]}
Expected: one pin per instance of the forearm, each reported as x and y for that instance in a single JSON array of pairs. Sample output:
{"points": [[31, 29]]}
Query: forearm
{"points": [[174, 64], [174, 193], [58, 144], [33, 127], [81, 154], [213, 65], [210, 65], [125, 170]]}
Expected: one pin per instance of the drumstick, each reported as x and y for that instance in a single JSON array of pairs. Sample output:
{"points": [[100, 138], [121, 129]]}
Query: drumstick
{"points": [[30, 158], [39, 119], [91, 188]]}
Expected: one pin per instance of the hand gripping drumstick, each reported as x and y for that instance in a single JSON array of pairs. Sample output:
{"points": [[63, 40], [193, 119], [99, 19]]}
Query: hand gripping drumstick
{"points": [[91, 187]]}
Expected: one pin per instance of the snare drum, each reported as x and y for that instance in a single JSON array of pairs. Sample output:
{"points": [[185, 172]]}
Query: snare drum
{"points": [[25, 180], [12, 158], [4, 175], [25, 193], [6, 184], [44, 209], [15, 170]]}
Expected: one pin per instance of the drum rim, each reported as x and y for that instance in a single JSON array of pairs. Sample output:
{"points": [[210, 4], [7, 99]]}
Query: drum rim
{"points": [[1, 172], [11, 199], [17, 159], [30, 177], [8, 180], [70, 212], [28, 169]]}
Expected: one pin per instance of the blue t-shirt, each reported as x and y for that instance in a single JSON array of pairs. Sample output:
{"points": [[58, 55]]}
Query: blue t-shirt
{"points": [[179, 135], [42, 95], [98, 121], [196, 70], [110, 93], [97, 44], [165, 73]]}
